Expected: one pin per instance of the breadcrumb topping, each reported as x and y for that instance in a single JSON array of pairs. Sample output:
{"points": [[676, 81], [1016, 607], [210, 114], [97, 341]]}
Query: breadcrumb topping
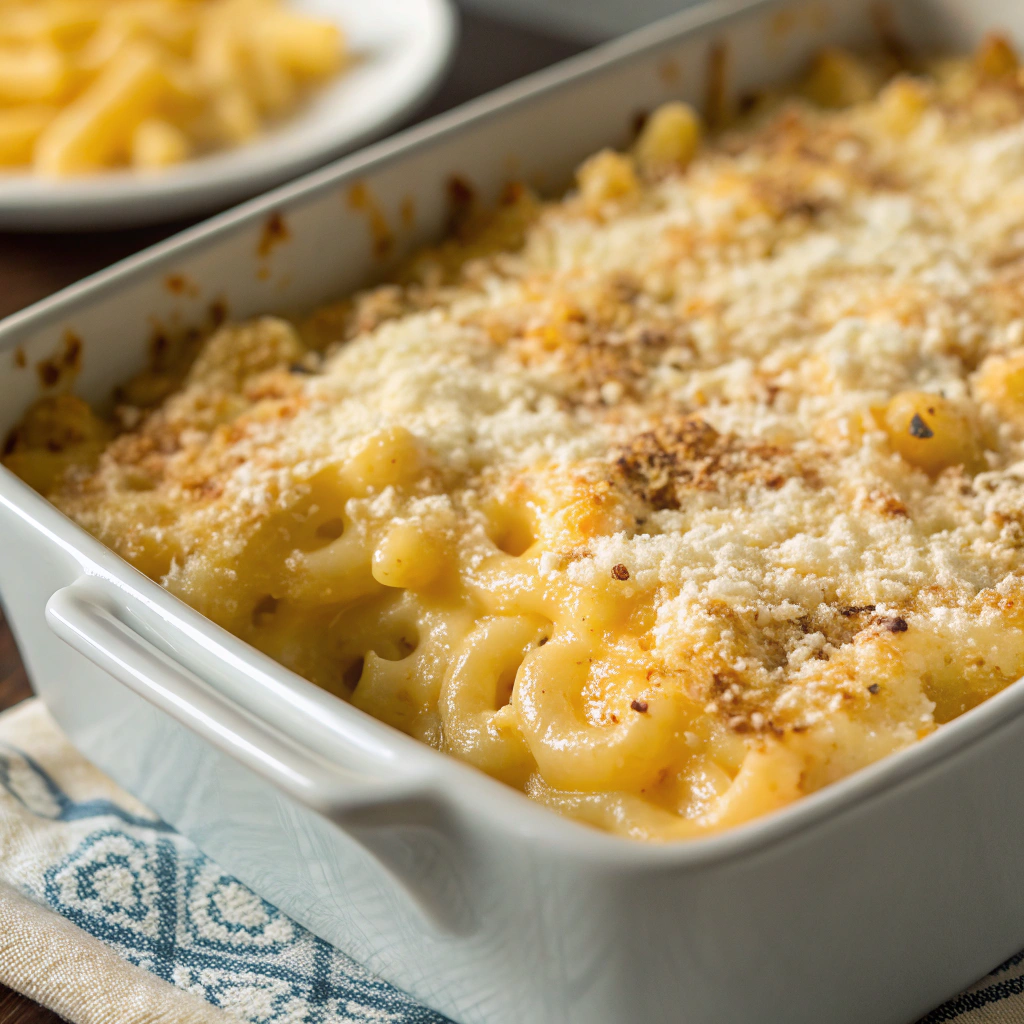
{"points": [[775, 395]]}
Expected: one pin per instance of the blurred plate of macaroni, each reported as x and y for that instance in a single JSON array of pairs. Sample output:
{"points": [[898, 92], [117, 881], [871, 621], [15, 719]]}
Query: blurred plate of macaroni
{"points": [[124, 112]]}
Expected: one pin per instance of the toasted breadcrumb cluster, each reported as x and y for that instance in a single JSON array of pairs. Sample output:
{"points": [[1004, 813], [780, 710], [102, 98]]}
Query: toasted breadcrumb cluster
{"points": [[770, 385]]}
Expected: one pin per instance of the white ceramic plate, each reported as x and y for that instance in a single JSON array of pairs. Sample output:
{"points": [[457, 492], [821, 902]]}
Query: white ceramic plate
{"points": [[401, 48]]}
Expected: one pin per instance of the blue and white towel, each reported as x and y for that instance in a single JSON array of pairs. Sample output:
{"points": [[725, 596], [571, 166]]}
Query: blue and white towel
{"points": [[108, 916]]}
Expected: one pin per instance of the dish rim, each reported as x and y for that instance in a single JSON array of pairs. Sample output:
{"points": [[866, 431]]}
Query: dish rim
{"points": [[444, 778]]}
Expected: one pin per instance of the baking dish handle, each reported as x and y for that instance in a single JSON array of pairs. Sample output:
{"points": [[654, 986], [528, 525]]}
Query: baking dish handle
{"points": [[81, 619]]}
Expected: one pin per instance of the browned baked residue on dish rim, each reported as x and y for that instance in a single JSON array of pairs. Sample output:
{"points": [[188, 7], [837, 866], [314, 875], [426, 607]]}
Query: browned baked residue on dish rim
{"points": [[462, 198], [275, 232], [20, 359], [716, 92], [62, 365], [217, 312], [362, 200], [407, 212], [891, 40], [181, 284], [159, 345], [669, 71], [782, 23]]}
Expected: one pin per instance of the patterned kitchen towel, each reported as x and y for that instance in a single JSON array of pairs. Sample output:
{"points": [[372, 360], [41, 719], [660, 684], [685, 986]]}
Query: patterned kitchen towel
{"points": [[108, 916]]}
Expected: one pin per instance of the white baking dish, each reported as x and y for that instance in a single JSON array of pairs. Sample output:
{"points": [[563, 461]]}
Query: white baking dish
{"points": [[870, 901]]}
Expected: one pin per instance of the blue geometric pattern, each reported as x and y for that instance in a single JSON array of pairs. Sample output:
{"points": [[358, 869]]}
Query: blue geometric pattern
{"points": [[148, 893]]}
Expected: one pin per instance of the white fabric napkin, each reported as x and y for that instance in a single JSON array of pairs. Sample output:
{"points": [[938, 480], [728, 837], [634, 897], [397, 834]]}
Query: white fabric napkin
{"points": [[108, 916]]}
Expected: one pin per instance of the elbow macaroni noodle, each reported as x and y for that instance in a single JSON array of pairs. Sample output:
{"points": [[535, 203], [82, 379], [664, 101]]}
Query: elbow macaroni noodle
{"points": [[666, 503]]}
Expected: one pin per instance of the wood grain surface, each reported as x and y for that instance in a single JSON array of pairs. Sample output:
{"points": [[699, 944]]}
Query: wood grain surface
{"points": [[490, 54]]}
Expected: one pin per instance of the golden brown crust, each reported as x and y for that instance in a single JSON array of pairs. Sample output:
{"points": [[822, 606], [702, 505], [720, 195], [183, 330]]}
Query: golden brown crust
{"points": [[752, 428]]}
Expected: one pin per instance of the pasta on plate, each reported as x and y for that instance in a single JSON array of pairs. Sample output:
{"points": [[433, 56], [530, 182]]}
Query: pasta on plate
{"points": [[667, 502], [91, 85]]}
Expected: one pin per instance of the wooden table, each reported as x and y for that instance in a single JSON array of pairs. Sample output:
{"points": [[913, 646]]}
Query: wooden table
{"points": [[490, 54]]}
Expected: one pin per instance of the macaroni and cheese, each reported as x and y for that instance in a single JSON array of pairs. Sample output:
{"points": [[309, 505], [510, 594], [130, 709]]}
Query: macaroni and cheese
{"points": [[667, 502], [86, 85]]}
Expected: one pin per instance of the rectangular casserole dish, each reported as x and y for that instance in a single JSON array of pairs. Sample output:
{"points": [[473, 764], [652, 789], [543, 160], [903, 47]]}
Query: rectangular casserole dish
{"points": [[871, 900]]}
